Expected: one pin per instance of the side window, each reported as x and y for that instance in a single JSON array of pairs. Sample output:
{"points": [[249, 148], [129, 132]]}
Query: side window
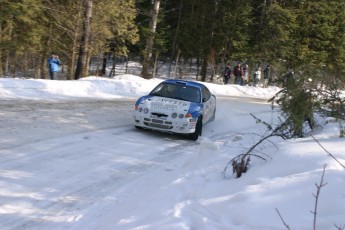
{"points": [[206, 94]]}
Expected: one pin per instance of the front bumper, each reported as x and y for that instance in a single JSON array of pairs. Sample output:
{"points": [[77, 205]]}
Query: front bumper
{"points": [[165, 124]]}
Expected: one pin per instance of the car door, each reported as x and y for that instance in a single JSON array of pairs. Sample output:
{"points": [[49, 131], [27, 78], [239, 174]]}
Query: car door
{"points": [[208, 105]]}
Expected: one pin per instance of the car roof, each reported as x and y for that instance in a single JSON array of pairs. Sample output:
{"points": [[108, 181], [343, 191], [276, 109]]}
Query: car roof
{"points": [[184, 82]]}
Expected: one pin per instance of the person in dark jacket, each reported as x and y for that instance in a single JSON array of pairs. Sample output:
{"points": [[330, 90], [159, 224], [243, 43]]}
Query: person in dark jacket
{"points": [[227, 74], [266, 75], [238, 73], [53, 65]]}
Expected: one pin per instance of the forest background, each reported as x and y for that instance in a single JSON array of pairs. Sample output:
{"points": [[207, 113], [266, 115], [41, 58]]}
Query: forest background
{"points": [[306, 36]]}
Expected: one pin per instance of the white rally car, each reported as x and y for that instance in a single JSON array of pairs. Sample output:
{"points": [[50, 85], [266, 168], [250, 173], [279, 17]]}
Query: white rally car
{"points": [[176, 106]]}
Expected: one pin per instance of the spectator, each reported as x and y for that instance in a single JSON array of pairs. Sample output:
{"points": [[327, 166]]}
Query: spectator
{"points": [[53, 65], [238, 73], [257, 76], [227, 74], [266, 75], [246, 75]]}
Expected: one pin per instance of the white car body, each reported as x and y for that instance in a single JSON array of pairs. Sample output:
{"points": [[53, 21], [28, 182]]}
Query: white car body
{"points": [[175, 115]]}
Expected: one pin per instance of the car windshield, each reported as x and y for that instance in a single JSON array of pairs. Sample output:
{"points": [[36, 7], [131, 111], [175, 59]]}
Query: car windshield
{"points": [[176, 91]]}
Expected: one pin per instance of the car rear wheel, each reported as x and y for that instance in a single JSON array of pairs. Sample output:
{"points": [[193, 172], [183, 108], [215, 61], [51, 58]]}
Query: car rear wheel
{"points": [[198, 130]]}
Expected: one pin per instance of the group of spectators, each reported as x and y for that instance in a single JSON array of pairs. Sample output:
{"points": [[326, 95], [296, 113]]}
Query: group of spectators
{"points": [[241, 76]]}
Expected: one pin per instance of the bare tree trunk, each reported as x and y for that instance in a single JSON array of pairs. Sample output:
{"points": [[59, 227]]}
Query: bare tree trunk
{"points": [[13, 66], [146, 72], [104, 64], [25, 65], [71, 65], [7, 52], [197, 68], [208, 52], [212, 59], [99, 57], [45, 54], [0, 50], [81, 65], [155, 66], [38, 65], [203, 71], [44, 63], [6, 63], [176, 62], [88, 61], [112, 71], [73, 54], [175, 38]]}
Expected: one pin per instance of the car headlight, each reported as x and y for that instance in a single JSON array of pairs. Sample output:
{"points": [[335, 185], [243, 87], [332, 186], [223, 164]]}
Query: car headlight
{"points": [[181, 115], [188, 115], [140, 109], [146, 110], [174, 115]]}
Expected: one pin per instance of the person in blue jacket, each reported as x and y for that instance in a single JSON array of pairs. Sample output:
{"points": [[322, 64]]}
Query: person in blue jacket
{"points": [[53, 65]]}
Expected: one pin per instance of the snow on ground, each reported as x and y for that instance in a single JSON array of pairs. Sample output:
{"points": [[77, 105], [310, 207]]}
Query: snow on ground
{"points": [[70, 159]]}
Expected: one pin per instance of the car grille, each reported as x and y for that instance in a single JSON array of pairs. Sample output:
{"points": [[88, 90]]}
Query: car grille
{"points": [[161, 126], [159, 115], [156, 123]]}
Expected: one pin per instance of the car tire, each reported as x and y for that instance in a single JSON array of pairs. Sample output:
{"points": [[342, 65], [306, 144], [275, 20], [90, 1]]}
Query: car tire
{"points": [[198, 130]]}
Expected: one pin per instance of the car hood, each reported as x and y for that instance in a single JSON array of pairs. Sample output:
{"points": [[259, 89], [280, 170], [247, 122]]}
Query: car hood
{"points": [[166, 105]]}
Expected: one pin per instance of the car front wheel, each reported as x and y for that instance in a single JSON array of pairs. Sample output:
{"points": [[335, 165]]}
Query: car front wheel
{"points": [[198, 130]]}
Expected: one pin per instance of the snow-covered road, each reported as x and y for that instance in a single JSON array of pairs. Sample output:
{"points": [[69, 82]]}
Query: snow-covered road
{"points": [[63, 161], [41, 120]]}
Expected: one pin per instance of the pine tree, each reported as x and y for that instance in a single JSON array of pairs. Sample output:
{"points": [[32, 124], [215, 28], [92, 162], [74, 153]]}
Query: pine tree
{"points": [[20, 34], [63, 31], [113, 33], [273, 31], [298, 102]]}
